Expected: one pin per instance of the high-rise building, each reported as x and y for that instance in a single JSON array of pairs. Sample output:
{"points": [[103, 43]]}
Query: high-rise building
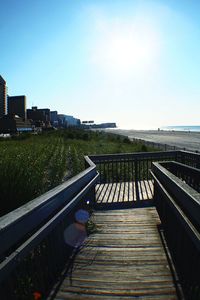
{"points": [[68, 121], [54, 117], [17, 106], [3, 97], [41, 114]]}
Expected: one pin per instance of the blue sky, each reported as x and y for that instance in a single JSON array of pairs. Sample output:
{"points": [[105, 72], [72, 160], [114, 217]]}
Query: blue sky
{"points": [[133, 62]]}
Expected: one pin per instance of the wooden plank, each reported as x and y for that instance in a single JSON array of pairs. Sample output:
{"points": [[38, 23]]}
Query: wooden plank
{"points": [[101, 193], [107, 193], [99, 189], [79, 296], [120, 194], [124, 259], [134, 291], [126, 191], [140, 191], [112, 196], [117, 191], [144, 188], [123, 191], [133, 191], [150, 188], [130, 191]]}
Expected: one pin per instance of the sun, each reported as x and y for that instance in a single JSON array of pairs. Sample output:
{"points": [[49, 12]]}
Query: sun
{"points": [[127, 48]]}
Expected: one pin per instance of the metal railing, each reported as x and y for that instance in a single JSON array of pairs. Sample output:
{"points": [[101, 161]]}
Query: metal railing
{"points": [[178, 205], [32, 248]]}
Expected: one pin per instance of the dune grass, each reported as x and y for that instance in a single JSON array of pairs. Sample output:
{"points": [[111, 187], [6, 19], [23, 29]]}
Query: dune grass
{"points": [[33, 164]]}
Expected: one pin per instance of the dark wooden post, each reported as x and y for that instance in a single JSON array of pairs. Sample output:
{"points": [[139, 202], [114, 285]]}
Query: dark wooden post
{"points": [[136, 181], [91, 197]]}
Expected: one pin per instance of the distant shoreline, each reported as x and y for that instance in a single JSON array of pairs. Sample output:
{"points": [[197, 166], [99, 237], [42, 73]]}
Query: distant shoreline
{"points": [[189, 140]]}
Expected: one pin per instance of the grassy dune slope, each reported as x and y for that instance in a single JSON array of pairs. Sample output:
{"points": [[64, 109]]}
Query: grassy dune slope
{"points": [[31, 165]]}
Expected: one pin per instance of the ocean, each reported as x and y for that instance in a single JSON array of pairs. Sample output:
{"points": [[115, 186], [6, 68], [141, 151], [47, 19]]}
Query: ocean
{"points": [[182, 128]]}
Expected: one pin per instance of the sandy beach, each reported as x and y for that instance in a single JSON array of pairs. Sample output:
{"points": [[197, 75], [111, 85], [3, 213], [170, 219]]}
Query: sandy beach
{"points": [[182, 139]]}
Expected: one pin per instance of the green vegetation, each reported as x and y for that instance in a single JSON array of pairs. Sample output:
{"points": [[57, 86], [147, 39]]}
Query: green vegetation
{"points": [[32, 164]]}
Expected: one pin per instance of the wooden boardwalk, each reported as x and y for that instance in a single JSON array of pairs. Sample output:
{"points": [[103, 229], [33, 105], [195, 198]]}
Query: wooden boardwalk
{"points": [[124, 192], [124, 259]]}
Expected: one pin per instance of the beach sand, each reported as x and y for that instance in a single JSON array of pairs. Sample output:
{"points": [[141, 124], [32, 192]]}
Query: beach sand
{"points": [[181, 139]]}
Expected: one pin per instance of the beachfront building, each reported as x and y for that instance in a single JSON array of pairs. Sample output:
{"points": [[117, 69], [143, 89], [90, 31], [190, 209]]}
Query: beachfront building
{"points": [[38, 114], [54, 118], [3, 96], [17, 106], [90, 124], [68, 121], [13, 124]]}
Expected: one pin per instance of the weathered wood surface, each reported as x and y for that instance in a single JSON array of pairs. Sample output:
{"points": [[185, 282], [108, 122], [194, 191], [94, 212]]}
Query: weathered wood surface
{"points": [[125, 259], [124, 191]]}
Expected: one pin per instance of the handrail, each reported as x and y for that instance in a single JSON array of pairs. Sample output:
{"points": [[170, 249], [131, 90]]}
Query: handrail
{"points": [[128, 167], [7, 266], [188, 174], [32, 235], [178, 206], [192, 231], [186, 197], [88, 162], [22, 221], [183, 153], [122, 164], [189, 158], [195, 235], [180, 166], [127, 156]]}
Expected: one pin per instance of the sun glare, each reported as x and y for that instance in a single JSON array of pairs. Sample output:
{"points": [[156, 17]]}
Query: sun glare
{"points": [[127, 48], [128, 51]]}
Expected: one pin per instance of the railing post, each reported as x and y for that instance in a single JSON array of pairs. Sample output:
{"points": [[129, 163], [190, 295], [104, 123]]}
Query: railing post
{"points": [[91, 197], [136, 181]]}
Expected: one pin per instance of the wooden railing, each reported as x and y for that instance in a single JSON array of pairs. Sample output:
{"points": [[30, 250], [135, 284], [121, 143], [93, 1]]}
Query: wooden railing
{"points": [[32, 248], [189, 158], [125, 178], [178, 205], [189, 175], [128, 166]]}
